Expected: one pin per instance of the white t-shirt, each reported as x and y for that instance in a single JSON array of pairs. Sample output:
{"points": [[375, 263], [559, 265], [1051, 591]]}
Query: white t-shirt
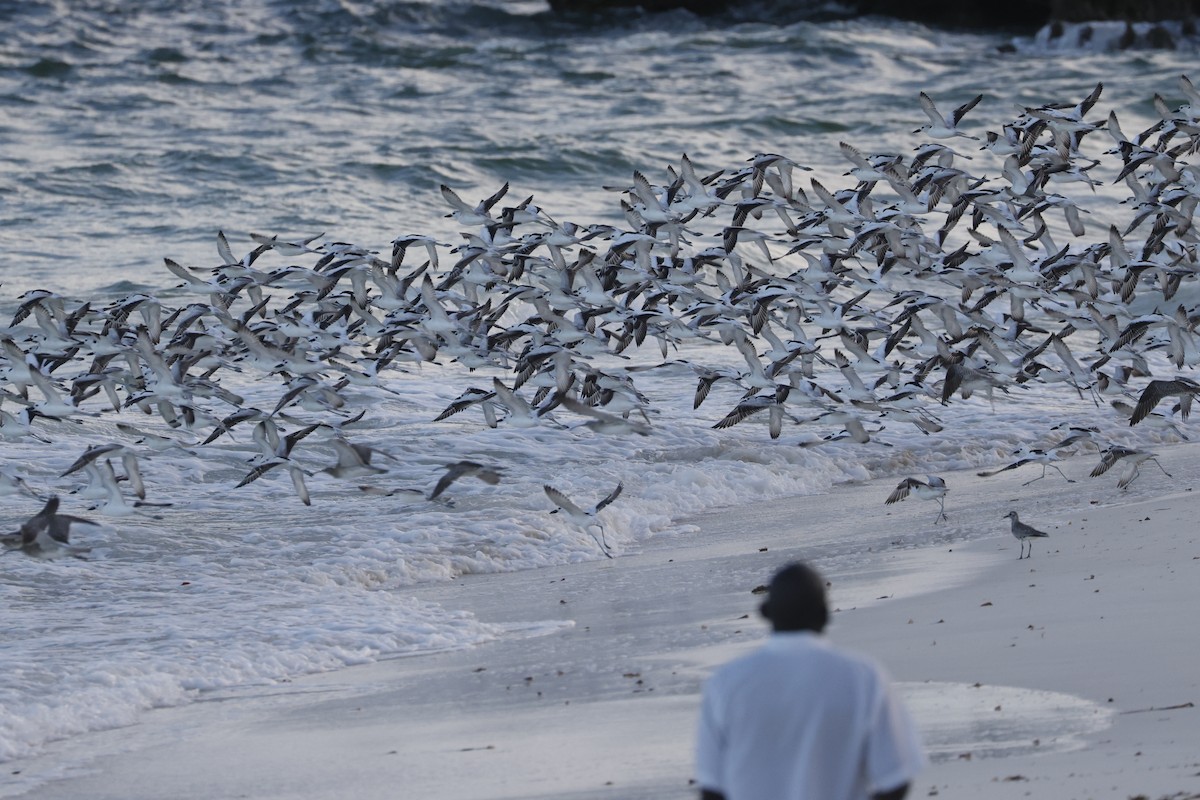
{"points": [[799, 719]]}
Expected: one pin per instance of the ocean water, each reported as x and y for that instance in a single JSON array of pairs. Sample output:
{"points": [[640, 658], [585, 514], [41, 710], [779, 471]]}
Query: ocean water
{"points": [[134, 132]]}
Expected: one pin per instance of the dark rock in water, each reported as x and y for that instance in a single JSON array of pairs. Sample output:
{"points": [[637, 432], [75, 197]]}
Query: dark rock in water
{"points": [[1102, 35], [652, 6], [1027, 14], [1018, 14], [1125, 10]]}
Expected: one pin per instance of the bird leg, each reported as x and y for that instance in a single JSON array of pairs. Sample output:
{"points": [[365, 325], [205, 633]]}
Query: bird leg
{"points": [[600, 540], [1044, 466], [1160, 466], [1060, 472]]}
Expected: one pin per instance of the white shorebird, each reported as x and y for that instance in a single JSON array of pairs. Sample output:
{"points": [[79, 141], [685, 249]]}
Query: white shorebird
{"points": [[938, 127], [587, 518], [1035, 456], [932, 489], [1024, 532], [1132, 459]]}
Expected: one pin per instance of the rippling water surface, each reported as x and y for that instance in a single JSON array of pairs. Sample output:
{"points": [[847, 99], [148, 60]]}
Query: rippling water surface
{"points": [[131, 132]]}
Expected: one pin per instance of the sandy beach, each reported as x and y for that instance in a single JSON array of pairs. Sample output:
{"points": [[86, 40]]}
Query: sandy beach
{"points": [[1071, 674]]}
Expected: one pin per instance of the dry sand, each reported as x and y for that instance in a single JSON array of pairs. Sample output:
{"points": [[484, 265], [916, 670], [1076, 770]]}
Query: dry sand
{"points": [[1072, 674]]}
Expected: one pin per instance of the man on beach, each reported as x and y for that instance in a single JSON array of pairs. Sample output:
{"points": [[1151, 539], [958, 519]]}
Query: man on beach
{"points": [[800, 719]]}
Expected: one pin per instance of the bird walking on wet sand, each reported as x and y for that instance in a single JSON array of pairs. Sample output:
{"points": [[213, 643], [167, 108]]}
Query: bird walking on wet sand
{"points": [[1043, 457], [1024, 532], [586, 519], [932, 489]]}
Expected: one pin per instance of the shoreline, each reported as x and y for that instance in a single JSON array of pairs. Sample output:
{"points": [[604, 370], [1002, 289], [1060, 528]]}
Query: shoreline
{"points": [[594, 695]]}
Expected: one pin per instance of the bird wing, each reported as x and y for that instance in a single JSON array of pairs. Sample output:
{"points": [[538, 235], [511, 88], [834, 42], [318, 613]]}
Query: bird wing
{"points": [[1013, 465], [512, 402], [464, 401], [133, 474], [453, 472], [489, 475], [298, 482], [613, 495], [964, 108], [901, 491], [259, 471], [351, 455], [1111, 457], [1151, 396], [90, 455], [931, 111], [741, 411], [562, 501]]}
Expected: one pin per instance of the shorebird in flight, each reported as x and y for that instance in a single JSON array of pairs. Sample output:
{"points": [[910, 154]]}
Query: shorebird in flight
{"points": [[932, 489], [47, 534], [1043, 457], [1155, 391], [587, 518], [1132, 459], [459, 469], [938, 127]]}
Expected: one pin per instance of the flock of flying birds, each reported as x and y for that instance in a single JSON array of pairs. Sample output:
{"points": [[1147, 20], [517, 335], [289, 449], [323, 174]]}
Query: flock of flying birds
{"points": [[850, 309]]}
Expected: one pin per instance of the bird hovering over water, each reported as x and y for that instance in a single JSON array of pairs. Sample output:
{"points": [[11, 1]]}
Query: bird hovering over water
{"points": [[938, 127], [47, 534], [582, 517], [459, 469]]}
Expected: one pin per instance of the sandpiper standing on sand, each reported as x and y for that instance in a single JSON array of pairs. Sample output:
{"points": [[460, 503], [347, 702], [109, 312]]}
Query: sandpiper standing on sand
{"points": [[1023, 532]]}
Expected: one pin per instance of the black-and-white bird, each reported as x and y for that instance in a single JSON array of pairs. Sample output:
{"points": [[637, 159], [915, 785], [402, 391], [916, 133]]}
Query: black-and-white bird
{"points": [[587, 518], [1035, 456], [1131, 458], [932, 489], [941, 128], [1023, 533]]}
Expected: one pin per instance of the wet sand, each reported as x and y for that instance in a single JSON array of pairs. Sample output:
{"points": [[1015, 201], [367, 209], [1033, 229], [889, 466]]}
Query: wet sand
{"points": [[1071, 674]]}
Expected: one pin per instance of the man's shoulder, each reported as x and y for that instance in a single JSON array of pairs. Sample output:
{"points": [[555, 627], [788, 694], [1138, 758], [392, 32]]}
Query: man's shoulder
{"points": [[802, 649]]}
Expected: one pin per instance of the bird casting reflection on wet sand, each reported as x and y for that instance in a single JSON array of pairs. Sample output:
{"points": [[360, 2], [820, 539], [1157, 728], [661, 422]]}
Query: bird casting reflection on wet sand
{"points": [[1023, 532]]}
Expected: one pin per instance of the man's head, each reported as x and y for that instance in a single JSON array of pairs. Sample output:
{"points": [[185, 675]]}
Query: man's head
{"points": [[796, 600]]}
